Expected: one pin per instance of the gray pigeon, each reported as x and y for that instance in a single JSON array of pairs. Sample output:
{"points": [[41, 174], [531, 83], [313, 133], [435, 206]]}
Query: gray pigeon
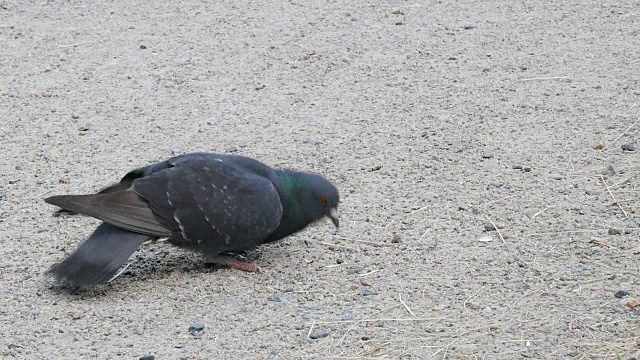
{"points": [[205, 202]]}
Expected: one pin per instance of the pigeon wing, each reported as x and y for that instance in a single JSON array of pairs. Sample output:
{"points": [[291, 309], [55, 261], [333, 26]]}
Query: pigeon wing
{"points": [[124, 209], [214, 202]]}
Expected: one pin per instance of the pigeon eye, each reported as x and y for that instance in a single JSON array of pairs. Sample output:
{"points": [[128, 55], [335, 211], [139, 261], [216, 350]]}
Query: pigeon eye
{"points": [[322, 200]]}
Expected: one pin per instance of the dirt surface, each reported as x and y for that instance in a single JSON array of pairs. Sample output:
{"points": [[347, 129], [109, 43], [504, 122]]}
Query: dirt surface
{"points": [[435, 119]]}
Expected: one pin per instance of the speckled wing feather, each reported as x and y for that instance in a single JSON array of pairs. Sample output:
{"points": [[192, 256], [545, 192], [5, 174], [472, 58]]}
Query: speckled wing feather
{"points": [[217, 204]]}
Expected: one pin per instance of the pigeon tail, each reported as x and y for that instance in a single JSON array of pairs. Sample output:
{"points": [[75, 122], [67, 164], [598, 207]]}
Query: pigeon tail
{"points": [[98, 259]]}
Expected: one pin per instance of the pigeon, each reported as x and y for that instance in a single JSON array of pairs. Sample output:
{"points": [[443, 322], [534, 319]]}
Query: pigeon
{"points": [[205, 202]]}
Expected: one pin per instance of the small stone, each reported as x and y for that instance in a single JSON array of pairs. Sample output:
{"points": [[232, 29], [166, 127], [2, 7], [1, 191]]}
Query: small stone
{"points": [[231, 149], [628, 147], [614, 231], [274, 299], [632, 304], [397, 12], [396, 239], [320, 334], [339, 261], [487, 155], [634, 356], [298, 326], [148, 357], [489, 227], [466, 348], [599, 146], [516, 167], [196, 329], [556, 177], [75, 315], [610, 170], [143, 47], [526, 169], [289, 289], [399, 23], [621, 293], [260, 87], [368, 292], [468, 27]]}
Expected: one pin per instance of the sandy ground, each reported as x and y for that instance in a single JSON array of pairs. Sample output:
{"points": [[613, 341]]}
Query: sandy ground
{"points": [[433, 118]]}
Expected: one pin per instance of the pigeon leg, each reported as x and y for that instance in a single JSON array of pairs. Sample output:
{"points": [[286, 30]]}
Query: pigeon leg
{"points": [[228, 262]]}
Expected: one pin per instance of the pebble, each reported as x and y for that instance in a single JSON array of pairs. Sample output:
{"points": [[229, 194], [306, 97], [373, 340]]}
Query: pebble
{"points": [[289, 289], [368, 292], [466, 348], [526, 169], [516, 167], [621, 293], [487, 155], [592, 192], [298, 326], [231, 149], [628, 147], [613, 231], [489, 227], [635, 356], [274, 299], [196, 329], [556, 177], [148, 357], [610, 170], [143, 47], [469, 27], [320, 334], [339, 261], [75, 315]]}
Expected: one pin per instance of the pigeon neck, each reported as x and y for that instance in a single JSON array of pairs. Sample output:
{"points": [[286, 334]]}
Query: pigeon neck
{"points": [[289, 186]]}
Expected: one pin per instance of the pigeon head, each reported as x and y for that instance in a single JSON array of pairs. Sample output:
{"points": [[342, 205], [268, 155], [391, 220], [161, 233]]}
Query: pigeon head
{"points": [[309, 197], [319, 198]]}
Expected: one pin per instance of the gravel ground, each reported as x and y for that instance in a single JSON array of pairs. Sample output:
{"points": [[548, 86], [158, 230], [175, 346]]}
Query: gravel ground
{"points": [[438, 121]]}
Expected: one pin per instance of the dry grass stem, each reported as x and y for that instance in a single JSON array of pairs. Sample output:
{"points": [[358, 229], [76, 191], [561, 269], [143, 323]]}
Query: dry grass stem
{"points": [[405, 306], [546, 78], [613, 197], [364, 241], [624, 132], [497, 230], [119, 273], [76, 44], [336, 245], [423, 235]]}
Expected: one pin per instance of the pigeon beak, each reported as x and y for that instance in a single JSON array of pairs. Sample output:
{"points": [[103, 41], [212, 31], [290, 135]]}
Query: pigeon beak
{"points": [[333, 214]]}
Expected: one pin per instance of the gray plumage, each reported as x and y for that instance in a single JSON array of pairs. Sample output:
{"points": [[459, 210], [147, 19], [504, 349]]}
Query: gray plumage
{"points": [[206, 202]]}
